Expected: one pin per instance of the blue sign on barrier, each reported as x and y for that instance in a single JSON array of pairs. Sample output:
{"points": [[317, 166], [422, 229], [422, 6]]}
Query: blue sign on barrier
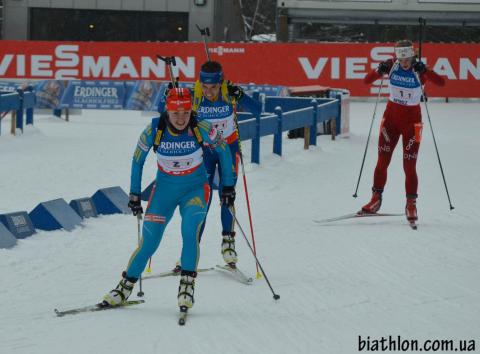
{"points": [[7, 86], [144, 96], [18, 223], [94, 95], [111, 200], [84, 207], [49, 93], [53, 215], [7, 240]]}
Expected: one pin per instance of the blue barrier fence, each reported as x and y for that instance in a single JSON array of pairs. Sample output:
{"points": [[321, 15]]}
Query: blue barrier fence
{"points": [[287, 113], [20, 101]]}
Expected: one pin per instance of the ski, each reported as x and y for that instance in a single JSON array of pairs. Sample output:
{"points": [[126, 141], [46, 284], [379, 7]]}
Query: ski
{"points": [[183, 315], [236, 273], [355, 215], [97, 307], [173, 273]]}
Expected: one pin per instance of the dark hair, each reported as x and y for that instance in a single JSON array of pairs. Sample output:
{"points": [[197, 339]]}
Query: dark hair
{"points": [[211, 67], [404, 43]]}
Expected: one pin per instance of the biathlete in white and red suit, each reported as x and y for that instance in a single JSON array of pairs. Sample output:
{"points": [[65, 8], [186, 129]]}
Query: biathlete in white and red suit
{"points": [[402, 117]]}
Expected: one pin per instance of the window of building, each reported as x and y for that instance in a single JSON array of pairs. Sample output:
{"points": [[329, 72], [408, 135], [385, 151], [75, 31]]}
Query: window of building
{"points": [[107, 25], [382, 33]]}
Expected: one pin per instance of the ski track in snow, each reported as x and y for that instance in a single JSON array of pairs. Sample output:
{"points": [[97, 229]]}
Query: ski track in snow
{"points": [[370, 277]]}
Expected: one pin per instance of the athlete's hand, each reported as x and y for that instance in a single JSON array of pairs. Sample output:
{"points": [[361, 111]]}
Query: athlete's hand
{"points": [[419, 67], [235, 91], [135, 204], [383, 68], [228, 196]]}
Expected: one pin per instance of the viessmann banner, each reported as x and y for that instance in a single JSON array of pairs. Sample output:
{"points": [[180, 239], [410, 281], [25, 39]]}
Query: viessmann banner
{"points": [[340, 65]]}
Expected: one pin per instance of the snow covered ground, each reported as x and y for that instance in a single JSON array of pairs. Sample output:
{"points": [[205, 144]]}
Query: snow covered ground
{"points": [[369, 277]]}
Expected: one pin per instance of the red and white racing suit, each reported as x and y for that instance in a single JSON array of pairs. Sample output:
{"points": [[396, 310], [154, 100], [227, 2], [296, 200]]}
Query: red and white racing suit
{"points": [[401, 117]]}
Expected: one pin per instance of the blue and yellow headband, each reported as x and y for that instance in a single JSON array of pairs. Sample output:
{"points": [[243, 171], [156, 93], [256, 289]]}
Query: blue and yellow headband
{"points": [[211, 78]]}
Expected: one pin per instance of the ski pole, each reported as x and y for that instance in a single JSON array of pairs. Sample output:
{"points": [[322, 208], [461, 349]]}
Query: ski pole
{"points": [[205, 32], [435, 143], [438, 155], [368, 139], [149, 267], [139, 219], [422, 23], [275, 296], [169, 62], [259, 275]]}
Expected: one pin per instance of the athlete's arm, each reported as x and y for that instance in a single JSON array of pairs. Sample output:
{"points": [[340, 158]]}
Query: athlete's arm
{"points": [[432, 76], [383, 68], [214, 139], [250, 104], [144, 145]]}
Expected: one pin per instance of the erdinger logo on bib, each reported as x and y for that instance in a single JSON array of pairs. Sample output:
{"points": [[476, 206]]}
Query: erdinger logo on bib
{"points": [[180, 155], [404, 87]]}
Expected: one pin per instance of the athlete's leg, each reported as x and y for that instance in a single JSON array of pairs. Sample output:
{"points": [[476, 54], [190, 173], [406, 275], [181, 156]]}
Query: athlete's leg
{"points": [[227, 218], [193, 209], [412, 135], [210, 160], [387, 142], [159, 211]]}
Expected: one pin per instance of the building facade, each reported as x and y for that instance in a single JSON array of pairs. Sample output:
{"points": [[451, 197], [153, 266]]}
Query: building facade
{"points": [[119, 20], [377, 20]]}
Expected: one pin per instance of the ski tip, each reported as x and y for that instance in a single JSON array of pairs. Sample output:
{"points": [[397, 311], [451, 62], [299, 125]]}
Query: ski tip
{"points": [[58, 313]]}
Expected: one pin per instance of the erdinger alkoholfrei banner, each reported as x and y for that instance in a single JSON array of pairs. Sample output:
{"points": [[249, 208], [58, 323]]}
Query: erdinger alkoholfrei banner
{"points": [[93, 95], [341, 65]]}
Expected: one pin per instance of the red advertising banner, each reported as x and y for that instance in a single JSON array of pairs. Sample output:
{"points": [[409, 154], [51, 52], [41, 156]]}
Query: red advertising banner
{"points": [[339, 65]]}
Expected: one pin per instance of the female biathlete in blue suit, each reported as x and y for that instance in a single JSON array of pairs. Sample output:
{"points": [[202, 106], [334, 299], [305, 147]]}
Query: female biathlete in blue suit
{"points": [[179, 141]]}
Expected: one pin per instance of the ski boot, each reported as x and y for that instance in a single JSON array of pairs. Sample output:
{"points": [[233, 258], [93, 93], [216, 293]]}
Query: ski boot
{"points": [[411, 207], [374, 204], [121, 293], [228, 248], [186, 289], [178, 268]]}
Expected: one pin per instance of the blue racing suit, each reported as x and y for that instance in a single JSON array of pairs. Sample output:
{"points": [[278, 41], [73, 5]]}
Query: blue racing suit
{"points": [[181, 181], [222, 115]]}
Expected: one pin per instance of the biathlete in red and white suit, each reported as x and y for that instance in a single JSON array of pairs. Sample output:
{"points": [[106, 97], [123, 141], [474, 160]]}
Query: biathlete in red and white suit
{"points": [[402, 117]]}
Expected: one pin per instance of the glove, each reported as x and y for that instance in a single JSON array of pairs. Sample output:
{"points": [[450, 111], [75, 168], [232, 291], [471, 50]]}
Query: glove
{"points": [[135, 204], [228, 196], [419, 67], [235, 91], [383, 68]]}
